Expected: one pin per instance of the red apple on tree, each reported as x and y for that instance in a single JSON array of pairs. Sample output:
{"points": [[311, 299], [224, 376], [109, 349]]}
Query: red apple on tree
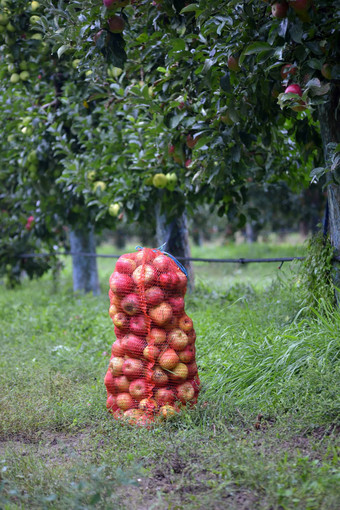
{"points": [[296, 89], [287, 71], [279, 9], [191, 141], [116, 24], [233, 64]]}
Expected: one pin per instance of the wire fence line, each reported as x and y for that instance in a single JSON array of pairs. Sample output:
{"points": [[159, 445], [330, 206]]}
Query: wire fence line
{"points": [[239, 260]]}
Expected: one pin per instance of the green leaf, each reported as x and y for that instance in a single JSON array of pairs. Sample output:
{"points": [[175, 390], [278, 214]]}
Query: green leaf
{"points": [[190, 8], [63, 49], [253, 48]]}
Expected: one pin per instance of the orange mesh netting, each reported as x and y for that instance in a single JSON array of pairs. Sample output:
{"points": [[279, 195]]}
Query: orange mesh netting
{"points": [[152, 370]]}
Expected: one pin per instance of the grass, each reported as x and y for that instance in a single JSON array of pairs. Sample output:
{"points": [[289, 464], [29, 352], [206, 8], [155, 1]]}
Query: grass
{"points": [[265, 431]]}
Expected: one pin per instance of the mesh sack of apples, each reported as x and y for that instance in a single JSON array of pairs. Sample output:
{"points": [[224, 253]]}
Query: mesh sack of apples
{"points": [[152, 372]]}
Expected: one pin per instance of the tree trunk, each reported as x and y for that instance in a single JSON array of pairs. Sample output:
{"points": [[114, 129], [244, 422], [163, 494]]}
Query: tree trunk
{"points": [[85, 273], [330, 133], [175, 235]]}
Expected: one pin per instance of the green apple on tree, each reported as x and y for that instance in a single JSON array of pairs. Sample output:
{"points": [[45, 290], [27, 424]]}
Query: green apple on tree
{"points": [[159, 180], [114, 209]]}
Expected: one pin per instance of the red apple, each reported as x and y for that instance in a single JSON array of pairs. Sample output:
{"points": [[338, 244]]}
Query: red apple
{"points": [[115, 300], [294, 89], [159, 377], [125, 264], [111, 403], [154, 296], [151, 352], [115, 365], [144, 275], [121, 284], [164, 396], [168, 359], [279, 9], [148, 405], [185, 323], [145, 256], [124, 401], [326, 71], [177, 304], [166, 412], [299, 5], [188, 354], [133, 345], [287, 71], [179, 373], [120, 320], [117, 348], [191, 141], [167, 280], [109, 382], [185, 392], [139, 325], [132, 416], [138, 389], [161, 263], [192, 369], [130, 304], [172, 324], [133, 368], [233, 64], [157, 336], [182, 279], [112, 311], [191, 336], [116, 24], [122, 383], [161, 314], [115, 4], [177, 339]]}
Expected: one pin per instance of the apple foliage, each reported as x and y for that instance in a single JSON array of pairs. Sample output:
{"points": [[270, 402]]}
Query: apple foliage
{"points": [[218, 72]]}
